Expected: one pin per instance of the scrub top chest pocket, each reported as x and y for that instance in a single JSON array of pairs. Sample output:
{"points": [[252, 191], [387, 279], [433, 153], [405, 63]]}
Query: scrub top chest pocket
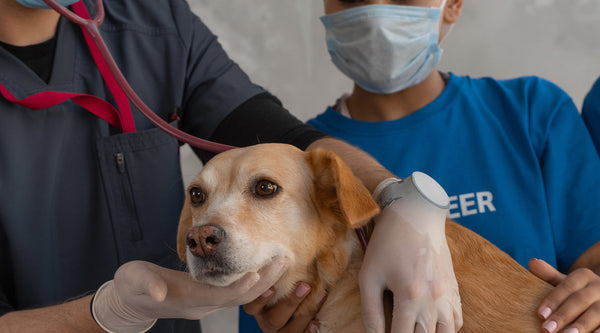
{"points": [[142, 182]]}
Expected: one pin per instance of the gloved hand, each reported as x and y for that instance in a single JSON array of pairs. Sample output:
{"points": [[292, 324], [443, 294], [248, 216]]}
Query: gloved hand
{"points": [[408, 254], [142, 292]]}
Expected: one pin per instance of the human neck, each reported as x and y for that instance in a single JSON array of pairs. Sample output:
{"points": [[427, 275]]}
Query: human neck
{"points": [[22, 26], [370, 107]]}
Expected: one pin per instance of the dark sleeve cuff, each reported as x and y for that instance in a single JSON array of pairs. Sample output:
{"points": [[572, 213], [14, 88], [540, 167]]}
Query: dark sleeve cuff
{"points": [[262, 119]]}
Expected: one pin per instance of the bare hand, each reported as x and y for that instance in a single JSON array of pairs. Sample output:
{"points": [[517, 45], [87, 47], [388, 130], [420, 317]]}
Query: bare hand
{"points": [[574, 304], [278, 317]]}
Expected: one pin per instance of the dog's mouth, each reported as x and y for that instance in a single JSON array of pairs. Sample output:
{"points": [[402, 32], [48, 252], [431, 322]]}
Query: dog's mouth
{"points": [[214, 270], [217, 271], [229, 264]]}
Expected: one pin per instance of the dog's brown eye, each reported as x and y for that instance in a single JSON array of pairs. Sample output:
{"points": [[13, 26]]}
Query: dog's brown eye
{"points": [[265, 188], [197, 196]]}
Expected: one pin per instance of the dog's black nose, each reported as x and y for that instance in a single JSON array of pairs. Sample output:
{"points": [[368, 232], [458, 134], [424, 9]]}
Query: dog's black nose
{"points": [[204, 240]]}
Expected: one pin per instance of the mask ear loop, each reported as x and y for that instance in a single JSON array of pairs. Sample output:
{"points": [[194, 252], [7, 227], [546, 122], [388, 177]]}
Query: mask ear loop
{"points": [[445, 31], [442, 6], [444, 27]]}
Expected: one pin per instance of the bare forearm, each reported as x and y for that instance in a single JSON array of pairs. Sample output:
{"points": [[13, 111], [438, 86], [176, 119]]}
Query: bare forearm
{"points": [[74, 316], [589, 259], [365, 167]]}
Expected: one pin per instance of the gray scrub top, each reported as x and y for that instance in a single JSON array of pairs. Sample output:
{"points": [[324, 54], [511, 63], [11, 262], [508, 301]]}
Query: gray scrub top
{"points": [[77, 197]]}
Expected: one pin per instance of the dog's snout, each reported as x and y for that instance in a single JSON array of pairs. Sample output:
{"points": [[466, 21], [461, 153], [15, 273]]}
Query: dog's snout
{"points": [[204, 240]]}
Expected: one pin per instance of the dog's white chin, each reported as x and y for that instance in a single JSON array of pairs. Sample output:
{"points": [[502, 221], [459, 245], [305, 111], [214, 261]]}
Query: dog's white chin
{"points": [[222, 281], [242, 267], [219, 280], [226, 280]]}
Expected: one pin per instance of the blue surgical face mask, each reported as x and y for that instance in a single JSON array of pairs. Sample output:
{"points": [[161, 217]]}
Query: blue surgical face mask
{"points": [[41, 4], [384, 48]]}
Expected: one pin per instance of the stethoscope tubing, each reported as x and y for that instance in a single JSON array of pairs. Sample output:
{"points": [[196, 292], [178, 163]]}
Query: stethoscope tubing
{"points": [[91, 27]]}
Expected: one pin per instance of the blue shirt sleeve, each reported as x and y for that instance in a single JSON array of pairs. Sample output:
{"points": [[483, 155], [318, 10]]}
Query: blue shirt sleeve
{"points": [[247, 323], [591, 113], [570, 166]]}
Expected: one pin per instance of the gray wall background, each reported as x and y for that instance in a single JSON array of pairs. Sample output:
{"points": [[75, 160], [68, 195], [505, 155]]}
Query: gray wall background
{"points": [[280, 44]]}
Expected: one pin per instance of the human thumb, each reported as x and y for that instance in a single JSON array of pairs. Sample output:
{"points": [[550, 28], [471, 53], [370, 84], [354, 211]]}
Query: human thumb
{"points": [[143, 278], [545, 271], [157, 288]]}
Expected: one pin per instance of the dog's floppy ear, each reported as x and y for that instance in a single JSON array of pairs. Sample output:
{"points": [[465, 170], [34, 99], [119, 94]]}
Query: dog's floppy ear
{"points": [[338, 191], [185, 224]]}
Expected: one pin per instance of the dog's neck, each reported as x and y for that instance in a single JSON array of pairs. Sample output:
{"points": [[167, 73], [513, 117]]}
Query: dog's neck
{"points": [[335, 263]]}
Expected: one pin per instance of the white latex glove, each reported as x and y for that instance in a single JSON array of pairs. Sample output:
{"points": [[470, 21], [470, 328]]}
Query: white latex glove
{"points": [[142, 292], [408, 254]]}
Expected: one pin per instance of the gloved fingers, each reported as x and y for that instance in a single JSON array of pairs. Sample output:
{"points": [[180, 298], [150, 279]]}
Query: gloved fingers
{"points": [[432, 328], [426, 319], [452, 312], [243, 289], [252, 285], [404, 318], [372, 304], [446, 315], [458, 319], [445, 328], [420, 329]]}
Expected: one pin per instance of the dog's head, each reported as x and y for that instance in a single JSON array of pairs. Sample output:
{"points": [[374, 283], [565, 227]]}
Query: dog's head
{"points": [[249, 205]]}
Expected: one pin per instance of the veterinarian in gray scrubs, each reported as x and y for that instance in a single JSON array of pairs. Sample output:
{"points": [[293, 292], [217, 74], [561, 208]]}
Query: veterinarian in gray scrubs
{"points": [[81, 199]]}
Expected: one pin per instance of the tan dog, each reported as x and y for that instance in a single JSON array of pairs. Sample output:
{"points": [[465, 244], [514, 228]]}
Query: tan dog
{"points": [[249, 205]]}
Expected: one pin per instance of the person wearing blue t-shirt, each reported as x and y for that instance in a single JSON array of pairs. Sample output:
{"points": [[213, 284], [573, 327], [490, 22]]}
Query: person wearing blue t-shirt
{"points": [[591, 113], [513, 155]]}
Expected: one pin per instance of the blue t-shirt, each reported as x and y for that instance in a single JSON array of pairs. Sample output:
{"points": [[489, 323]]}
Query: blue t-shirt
{"points": [[514, 157], [591, 113]]}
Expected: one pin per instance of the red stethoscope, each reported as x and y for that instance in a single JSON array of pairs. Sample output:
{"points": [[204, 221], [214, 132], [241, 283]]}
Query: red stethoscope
{"points": [[116, 82], [118, 86]]}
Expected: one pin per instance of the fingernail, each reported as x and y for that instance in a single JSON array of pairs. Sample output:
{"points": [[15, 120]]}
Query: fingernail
{"points": [[550, 326], [313, 328], [267, 293], [546, 312], [572, 330], [302, 290]]}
